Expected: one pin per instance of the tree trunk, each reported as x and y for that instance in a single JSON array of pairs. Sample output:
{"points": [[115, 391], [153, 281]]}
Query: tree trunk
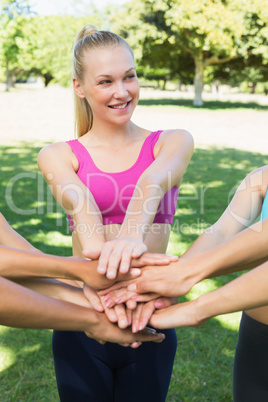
{"points": [[7, 75], [198, 80]]}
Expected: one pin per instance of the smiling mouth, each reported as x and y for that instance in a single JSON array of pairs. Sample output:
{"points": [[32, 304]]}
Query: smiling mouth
{"points": [[120, 106]]}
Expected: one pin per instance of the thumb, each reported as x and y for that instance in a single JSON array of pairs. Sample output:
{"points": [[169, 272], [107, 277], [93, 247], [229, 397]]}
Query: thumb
{"points": [[91, 254]]}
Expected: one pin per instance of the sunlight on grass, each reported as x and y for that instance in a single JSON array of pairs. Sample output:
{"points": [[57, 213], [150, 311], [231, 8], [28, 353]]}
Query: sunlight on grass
{"points": [[7, 357], [32, 221], [52, 238], [230, 321]]}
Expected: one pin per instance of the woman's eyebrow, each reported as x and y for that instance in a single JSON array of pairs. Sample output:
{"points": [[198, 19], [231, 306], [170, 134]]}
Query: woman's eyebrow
{"points": [[108, 75]]}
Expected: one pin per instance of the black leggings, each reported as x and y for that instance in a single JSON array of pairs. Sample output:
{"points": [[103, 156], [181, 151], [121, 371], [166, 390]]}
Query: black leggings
{"points": [[250, 377], [88, 371]]}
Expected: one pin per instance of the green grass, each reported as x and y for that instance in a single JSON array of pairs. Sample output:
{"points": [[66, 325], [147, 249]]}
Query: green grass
{"points": [[203, 364], [207, 105]]}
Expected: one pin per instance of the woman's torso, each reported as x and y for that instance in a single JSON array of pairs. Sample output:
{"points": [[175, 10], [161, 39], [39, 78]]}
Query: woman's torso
{"points": [[119, 161]]}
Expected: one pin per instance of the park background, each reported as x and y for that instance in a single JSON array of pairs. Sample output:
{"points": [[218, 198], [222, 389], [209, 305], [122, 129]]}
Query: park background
{"points": [[203, 67]]}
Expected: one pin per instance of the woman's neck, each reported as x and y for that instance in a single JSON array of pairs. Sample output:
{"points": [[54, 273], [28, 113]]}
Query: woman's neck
{"points": [[114, 135]]}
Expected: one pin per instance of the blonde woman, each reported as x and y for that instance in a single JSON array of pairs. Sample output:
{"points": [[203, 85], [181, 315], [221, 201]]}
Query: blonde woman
{"points": [[119, 184]]}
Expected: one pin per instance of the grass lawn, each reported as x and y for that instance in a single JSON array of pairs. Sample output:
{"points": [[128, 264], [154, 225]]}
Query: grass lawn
{"points": [[203, 365]]}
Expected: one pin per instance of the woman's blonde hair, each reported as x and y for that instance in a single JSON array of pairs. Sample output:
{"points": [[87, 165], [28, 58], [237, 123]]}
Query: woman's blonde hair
{"points": [[89, 38]]}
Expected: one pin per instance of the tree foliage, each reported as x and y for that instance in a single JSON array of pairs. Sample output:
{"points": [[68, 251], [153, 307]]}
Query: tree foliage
{"points": [[197, 33]]}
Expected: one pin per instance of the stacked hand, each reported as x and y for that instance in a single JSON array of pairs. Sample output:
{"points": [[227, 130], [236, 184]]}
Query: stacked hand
{"points": [[129, 312]]}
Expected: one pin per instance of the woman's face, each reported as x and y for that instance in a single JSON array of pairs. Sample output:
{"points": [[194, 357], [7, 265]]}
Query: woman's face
{"points": [[110, 84]]}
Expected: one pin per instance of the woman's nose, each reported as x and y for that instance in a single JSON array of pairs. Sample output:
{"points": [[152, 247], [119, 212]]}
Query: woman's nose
{"points": [[120, 90]]}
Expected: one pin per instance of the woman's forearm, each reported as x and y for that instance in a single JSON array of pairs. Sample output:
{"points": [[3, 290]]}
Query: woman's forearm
{"points": [[245, 250], [23, 308], [56, 289], [246, 292]]}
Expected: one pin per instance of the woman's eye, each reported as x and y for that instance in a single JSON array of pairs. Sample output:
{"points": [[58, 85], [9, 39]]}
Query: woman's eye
{"points": [[104, 82], [130, 76]]}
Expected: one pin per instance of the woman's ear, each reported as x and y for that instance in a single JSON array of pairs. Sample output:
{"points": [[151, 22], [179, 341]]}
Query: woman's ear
{"points": [[77, 88]]}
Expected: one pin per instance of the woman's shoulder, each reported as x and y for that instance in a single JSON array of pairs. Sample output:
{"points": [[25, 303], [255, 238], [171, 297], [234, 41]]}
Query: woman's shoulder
{"points": [[176, 139], [58, 151], [55, 148]]}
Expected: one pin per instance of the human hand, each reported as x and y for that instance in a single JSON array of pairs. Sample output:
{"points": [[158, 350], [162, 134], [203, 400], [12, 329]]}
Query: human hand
{"points": [[86, 271], [179, 315], [116, 255], [153, 259], [143, 312], [172, 280], [103, 330]]}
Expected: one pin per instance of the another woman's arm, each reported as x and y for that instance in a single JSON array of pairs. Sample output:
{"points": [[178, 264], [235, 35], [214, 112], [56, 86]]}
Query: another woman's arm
{"points": [[24, 308], [246, 292]]}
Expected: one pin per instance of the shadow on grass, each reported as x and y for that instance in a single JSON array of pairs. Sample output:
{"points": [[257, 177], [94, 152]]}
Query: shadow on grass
{"points": [[204, 355], [211, 105]]}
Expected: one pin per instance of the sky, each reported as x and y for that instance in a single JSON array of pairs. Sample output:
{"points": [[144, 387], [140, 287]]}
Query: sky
{"points": [[53, 7]]}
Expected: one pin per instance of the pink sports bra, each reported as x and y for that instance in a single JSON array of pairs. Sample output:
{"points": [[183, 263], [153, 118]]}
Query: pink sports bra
{"points": [[113, 191]]}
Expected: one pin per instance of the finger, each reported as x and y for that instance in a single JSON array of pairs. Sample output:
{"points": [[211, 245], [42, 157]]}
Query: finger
{"points": [[110, 298], [135, 345], [163, 302], [91, 254], [143, 287], [104, 258], [90, 335], [114, 261], [144, 297], [129, 316], [93, 298], [111, 314], [122, 319], [131, 304], [126, 260], [146, 314], [139, 250], [136, 317]]}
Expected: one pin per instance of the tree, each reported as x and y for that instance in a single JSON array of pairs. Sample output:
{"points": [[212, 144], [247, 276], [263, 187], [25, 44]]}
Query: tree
{"points": [[13, 14], [209, 32]]}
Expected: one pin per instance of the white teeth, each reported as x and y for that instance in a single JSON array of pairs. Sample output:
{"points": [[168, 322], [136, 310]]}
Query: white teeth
{"points": [[119, 107]]}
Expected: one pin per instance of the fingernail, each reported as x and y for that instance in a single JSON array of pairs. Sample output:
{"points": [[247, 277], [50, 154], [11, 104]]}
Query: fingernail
{"points": [[123, 323], [109, 303], [124, 269], [132, 287], [141, 326], [159, 304], [134, 297], [111, 275], [134, 329], [118, 300], [101, 270], [99, 307], [105, 298]]}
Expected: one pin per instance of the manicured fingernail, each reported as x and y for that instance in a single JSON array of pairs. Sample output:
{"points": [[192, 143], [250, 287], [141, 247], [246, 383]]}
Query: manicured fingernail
{"points": [[159, 304], [132, 287], [109, 303], [124, 269], [134, 297], [99, 307], [141, 326], [106, 298], [118, 300], [134, 329]]}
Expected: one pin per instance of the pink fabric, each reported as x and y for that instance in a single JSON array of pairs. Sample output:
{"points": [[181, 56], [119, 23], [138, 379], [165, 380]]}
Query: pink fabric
{"points": [[113, 191]]}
